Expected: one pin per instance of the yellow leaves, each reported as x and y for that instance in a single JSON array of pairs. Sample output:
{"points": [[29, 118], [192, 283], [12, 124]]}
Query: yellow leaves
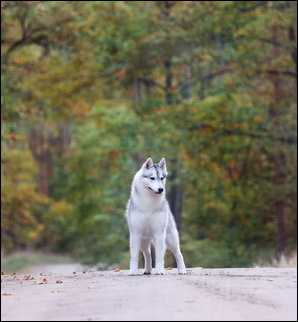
{"points": [[28, 277], [242, 99], [79, 107], [19, 195], [258, 118], [212, 101], [34, 234], [204, 56], [222, 206], [61, 208]]}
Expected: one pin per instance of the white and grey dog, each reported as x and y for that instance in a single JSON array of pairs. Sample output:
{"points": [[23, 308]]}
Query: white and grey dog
{"points": [[150, 219]]}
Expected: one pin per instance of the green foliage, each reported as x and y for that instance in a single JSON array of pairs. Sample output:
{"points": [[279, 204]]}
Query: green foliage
{"points": [[89, 93]]}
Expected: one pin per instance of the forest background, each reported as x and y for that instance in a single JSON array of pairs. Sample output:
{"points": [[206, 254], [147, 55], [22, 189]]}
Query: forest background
{"points": [[90, 89]]}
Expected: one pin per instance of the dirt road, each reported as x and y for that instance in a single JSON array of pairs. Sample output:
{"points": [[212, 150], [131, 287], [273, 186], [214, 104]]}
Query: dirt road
{"points": [[203, 294]]}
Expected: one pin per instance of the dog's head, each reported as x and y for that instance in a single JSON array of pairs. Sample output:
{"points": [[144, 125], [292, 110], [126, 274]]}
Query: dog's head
{"points": [[154, 175]]}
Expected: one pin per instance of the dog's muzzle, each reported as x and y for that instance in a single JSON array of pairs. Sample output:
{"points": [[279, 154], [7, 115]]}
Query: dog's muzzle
{"points": [[160, 190]]}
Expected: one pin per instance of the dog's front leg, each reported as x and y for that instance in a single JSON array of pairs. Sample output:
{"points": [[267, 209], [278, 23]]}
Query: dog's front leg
{"points": [[159, 254], [135, 242]]}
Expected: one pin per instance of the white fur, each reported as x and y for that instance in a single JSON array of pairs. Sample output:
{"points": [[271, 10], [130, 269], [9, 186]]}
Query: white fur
{"points": [[150, 219]]}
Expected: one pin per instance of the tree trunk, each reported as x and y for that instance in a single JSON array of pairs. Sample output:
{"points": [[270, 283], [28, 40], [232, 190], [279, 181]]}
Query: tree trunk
{"points": [[40, 149], [175, 193], [168, 83], [278, 162]]}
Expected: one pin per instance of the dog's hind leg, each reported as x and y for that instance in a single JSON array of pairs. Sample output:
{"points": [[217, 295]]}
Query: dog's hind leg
{"points": [[172, 242], [145, 248]]}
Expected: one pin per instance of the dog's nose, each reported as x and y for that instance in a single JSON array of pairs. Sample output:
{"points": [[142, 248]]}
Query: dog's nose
{"points": [[160, 190]]}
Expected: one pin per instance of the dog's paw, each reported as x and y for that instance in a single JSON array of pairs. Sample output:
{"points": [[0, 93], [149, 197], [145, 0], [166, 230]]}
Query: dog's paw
{"points": [[147, 271], [182, 271], [133, 273], [160, 272]]}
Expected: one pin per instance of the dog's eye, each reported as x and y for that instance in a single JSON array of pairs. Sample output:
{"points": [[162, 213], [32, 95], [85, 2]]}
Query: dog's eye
{"points": [[161, 178], [152, 178]]}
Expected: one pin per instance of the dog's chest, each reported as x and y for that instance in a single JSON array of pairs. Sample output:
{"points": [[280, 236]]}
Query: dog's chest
{"points": [[148, 222]]}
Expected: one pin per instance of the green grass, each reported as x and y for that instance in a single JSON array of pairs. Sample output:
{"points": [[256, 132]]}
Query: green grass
{"points": [[18, 262]]}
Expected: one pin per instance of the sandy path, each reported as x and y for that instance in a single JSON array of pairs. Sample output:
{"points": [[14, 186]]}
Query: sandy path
{"points": [[203, 294]]}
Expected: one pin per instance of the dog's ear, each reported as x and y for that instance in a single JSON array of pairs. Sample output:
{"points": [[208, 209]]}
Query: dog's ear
{"points": [[148, 163], [162, 164]]}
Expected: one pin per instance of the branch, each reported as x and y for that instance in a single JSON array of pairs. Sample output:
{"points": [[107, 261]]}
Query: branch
{"points": [[272, 42], [220, 72], [20, 41], [224, 132], [13, 47], [289, 140], [150, 82], [276, 72]]}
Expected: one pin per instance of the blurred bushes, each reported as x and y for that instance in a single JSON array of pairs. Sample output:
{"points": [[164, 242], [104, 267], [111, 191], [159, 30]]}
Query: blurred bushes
{"points": [[89, 93]]}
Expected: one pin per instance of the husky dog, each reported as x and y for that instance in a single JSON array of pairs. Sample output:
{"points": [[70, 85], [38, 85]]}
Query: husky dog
{"points": [[150, 219]]}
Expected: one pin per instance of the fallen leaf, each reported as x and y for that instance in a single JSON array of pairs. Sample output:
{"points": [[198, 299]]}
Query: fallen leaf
{"points": [[2, 273], [59, 282], [40, 274], [2, 281], [168, 268], [13, 274], [90, 287], [44, 281], [117, 270], [28, 277], [6, 294]]}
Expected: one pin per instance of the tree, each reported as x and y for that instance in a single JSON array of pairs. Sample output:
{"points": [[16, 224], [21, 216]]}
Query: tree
{"points": [[211, 86]]}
